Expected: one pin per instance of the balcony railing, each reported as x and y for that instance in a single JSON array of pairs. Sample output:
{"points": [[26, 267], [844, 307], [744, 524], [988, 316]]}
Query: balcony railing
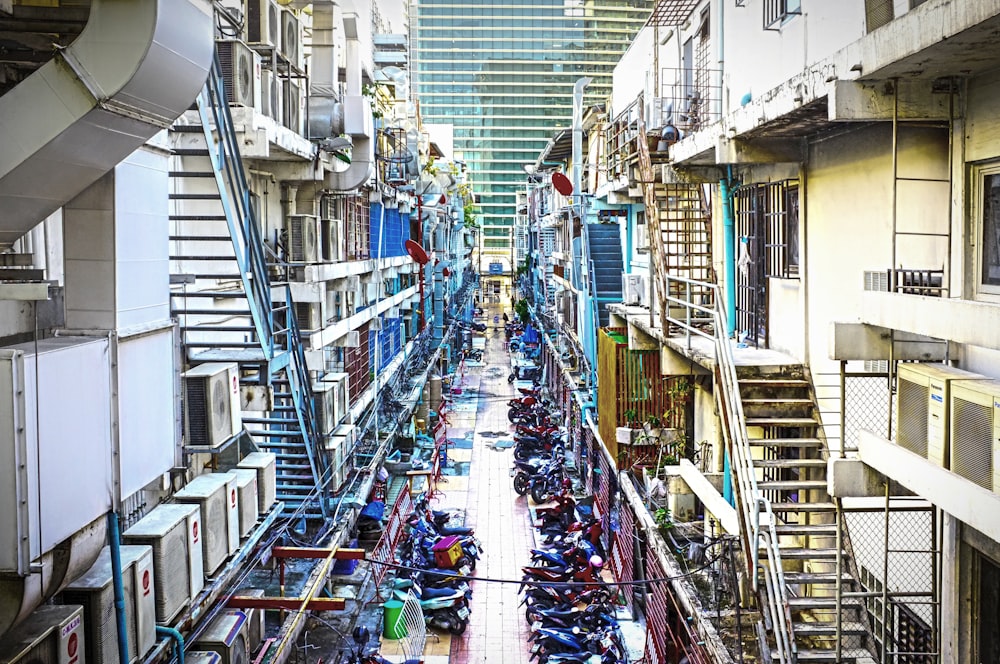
{"points": [[917, 282]]}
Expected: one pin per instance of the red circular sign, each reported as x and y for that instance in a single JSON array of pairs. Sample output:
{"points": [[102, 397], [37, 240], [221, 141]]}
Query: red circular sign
{"points": [[145, 579], [232, 497], [194, 531], [72, 644], [562, 184]]}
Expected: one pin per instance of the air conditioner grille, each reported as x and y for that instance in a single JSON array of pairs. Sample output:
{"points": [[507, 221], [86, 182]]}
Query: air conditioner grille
{"points": [[197, 416], [972, 442], [222, 419], [171, 572], [45, 652], [102, 625], [912, 398], [876, 280], [214, 519]]}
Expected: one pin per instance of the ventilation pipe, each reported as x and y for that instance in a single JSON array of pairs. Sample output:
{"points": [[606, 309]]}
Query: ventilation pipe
{"points": [[357, 112], [97, 101], [326, 113]]}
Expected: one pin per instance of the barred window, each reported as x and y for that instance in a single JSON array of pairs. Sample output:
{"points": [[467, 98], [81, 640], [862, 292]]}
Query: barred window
{"points": [[776, 12]]}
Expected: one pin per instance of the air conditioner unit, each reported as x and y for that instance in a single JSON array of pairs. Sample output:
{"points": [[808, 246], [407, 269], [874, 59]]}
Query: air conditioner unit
{"points": [[220, 523], [94, 591], [292, 107], [269, 99], [240, 71], [212, 404], [341, 396], [263, 23], [227, 636], [291, 38], [922, 395], [350, 433], [975, 431], [309, 316], [303, 238], [265, 463], [174, 532], [323, 398], [333, 240], [634, 290], [50, 635], [255, 620], [246, 490]]}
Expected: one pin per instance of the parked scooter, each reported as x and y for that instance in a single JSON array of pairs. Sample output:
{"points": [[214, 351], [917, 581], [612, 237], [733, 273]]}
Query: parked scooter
{"points": [[445, 611]]}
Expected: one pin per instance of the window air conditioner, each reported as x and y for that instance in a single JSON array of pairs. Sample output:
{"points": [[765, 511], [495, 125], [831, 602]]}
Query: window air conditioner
{"points": [[263, 23], [246, 490], [94, 591], [291, 39], [174, 532], [333, 240], [215, 495], [265, 464], [922, 397], [228, 637], [292, 109], [309, 316], [212, 404], [240, 70], [975, 431], [50, 635], [303, 238], [323, 399]]}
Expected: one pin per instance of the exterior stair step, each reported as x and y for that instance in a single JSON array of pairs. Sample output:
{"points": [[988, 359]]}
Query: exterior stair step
{"points": [[789, 463], [815, 578], [810, 603], [808, 554], [807, 629], [774, 382], [816, 530], [774, 402], [792, 485], [785, 442], [818, 656], [803, 507], [781, 422]]}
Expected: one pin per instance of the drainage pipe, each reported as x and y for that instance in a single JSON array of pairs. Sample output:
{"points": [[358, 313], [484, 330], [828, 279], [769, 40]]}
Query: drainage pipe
{"points": [[729, 252], [172, 633], [116, 576]]}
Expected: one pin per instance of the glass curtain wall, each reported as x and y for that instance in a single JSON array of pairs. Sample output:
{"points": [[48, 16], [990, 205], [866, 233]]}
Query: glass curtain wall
{"points": [[502, 73]]}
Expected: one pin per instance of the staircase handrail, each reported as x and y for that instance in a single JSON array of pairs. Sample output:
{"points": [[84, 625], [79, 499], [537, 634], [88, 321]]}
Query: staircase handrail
{"points": [[213, 110], [755, 509]]}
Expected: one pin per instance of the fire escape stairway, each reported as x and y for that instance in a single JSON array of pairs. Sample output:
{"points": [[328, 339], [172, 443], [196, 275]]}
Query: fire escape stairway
{"points": [[604, 241], [789, 460], [228, 308]]}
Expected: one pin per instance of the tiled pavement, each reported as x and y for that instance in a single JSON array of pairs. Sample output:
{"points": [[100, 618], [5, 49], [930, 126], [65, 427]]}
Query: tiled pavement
{"points": [[497, 632]]}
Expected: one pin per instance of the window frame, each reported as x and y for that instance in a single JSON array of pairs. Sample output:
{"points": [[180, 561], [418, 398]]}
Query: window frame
{"points": [[980, 173]]}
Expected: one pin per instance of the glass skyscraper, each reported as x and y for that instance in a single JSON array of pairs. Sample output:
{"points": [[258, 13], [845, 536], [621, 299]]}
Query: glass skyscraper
{"points": [[502, 72]]}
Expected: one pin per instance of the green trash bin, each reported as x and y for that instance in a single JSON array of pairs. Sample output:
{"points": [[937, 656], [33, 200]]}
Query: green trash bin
{"points": [[394, 627]]}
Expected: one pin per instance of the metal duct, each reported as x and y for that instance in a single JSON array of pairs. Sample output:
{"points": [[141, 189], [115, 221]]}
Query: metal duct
{"points": [[357, 114], [132, 71]]}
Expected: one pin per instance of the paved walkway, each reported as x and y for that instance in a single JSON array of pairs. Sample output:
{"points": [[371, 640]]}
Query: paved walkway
{"points": [[497, 632]]}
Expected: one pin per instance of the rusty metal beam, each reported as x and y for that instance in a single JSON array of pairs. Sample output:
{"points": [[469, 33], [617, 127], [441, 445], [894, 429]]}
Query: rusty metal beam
{"points": [[286, 603], [312, 553]]}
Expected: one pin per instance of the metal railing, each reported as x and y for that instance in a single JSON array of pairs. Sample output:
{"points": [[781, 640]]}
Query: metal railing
{"points": [[755, 510]]}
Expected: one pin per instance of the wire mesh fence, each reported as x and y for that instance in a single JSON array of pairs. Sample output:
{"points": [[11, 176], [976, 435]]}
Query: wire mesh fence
{"points": [[868, 404]]}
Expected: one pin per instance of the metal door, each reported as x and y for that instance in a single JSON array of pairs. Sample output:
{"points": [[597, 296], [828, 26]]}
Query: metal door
{"points": [[751, 279]]}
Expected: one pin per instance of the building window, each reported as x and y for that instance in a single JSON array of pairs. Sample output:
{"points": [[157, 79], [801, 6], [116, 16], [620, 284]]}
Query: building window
{"points": [[776, 12], [772, 209], [989, 258], [878, 13]]}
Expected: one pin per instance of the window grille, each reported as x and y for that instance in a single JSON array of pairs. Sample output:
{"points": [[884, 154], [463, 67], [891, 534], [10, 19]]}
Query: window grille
{"points": [[776, 12]]}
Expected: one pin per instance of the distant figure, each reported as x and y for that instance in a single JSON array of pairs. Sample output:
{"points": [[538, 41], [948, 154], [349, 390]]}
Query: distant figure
{"points": [[505, 319]]}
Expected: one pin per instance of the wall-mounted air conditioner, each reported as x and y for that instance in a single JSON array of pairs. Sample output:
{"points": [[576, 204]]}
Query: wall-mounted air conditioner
{"points": [[246, 490], [265, 463], [174, 532], [50, 635], [323, 399], [255, 620], [341, 395], [333, 240], [269, 99], [263, 23], [228, 637], [94, 591], [975, 431], [292, 106], [291, 38], [350, 433], [303, 238], [634, 290], [922, 395], [220, 523], [212, 404], [309, 316], [240, 72]]}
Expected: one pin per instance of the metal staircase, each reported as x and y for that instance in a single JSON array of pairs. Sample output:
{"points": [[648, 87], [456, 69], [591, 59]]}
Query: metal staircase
{"points": [[228, 307], [604, 242]]}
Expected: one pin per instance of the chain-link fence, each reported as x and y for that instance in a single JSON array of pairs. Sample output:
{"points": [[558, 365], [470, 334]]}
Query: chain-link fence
{"points": [[896, 562], [868, 404]]}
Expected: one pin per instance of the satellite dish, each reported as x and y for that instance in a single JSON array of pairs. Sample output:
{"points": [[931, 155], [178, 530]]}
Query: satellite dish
{"points": [[562, 184], [416, 252]]}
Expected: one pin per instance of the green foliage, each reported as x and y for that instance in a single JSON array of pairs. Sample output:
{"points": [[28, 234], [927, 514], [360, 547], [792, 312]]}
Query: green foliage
{"points": [[631, 416], [662, 519], [521, 309]]}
